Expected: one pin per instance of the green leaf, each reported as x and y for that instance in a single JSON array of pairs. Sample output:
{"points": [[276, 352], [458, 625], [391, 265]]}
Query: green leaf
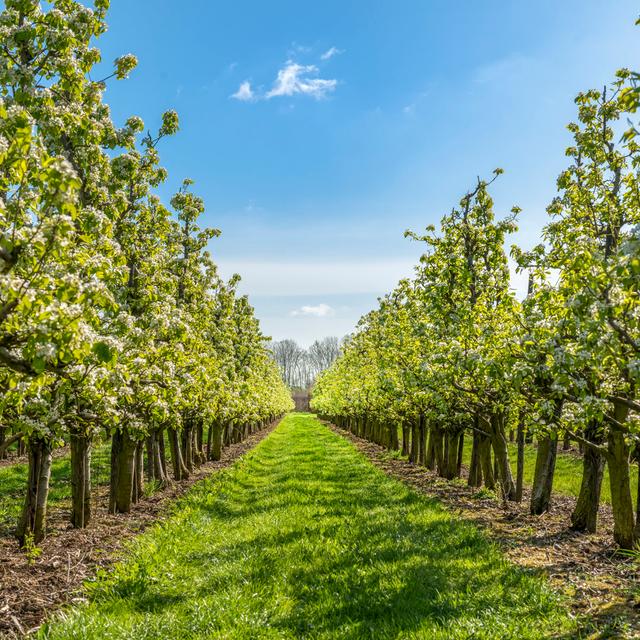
{"points": [[103, 351], [38, 364]]}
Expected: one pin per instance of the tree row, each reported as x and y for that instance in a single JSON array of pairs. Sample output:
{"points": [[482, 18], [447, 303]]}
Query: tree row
{"points": [[453, 351], [114, 322]]}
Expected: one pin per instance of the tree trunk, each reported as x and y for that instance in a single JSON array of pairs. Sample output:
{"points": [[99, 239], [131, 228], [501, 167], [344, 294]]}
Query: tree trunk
{"points": [[180, 472], [32, 522], [618, 460], [162, 457], [406, 434], [475, 468], [430, 462], [215, 452], [187, 444], [460, 454], [501, 451], [422, 434], [138, 472], [394, 443], [585, 514], [520, 461], [442, 468], [415, 442], [452, 440], [123, 454], [80, 446], [484, 453], [199, 437], [543, 475], [438, 446], [3, 436], [150, 449]]}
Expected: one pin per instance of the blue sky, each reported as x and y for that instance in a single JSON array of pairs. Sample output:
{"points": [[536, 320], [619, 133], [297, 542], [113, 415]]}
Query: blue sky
{"points": [[353, 121]]}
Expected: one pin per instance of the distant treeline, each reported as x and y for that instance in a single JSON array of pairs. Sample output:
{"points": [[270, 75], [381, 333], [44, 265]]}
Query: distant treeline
{"points": [[299, 366]]}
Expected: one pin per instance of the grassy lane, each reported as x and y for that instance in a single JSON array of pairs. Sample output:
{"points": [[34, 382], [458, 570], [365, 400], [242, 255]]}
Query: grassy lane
{"points": [[304, 538]]}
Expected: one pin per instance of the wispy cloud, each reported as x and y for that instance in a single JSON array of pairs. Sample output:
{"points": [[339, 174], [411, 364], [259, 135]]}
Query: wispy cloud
{"points": [[295, 78], [244, 93], [321, 310], [296, 48], [330, 53], [515, 64]]}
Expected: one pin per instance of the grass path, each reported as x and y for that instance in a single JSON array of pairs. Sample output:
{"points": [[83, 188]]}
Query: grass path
{"points": [[304, 538]]}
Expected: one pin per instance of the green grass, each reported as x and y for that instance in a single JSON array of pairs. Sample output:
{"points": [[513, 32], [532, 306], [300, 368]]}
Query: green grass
{"points": [[568, 475], [304, 538], [13, 479]]}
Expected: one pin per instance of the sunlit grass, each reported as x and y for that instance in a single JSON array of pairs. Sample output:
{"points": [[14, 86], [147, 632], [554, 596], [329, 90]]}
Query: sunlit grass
{"points": [[304, 538]]}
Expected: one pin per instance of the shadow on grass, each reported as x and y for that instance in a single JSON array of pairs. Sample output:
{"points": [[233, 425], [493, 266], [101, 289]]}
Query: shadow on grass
{"points": [[305, 539]]}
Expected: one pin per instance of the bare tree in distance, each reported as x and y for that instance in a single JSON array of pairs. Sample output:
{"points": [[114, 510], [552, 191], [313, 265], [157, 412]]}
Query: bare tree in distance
{"points": [[300, 367], [324, 352], [287, 354]]}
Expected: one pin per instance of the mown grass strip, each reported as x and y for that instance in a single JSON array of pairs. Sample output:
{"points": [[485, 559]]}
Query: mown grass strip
{"points": [[304, 538]]}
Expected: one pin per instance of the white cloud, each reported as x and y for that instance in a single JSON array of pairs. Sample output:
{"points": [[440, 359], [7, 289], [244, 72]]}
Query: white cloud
{"points": [[298, 48], [294, 79], [334, 51], [321, 310], [244, 92]]}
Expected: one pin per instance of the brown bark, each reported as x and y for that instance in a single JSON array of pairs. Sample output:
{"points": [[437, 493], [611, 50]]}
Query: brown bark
{"points": [[585, 514], [430, 462], [3, 435], [180, 471], [415, 442], [162, 458], [450, 459], [138, 472], [543, 474], [484, 453], [520, 460], [215, 451], [80, 446], [624, 532], [501, 451], [187, 444], [32, 522], [475, 468], [123, 452], [422, 434], [394, 443]]}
